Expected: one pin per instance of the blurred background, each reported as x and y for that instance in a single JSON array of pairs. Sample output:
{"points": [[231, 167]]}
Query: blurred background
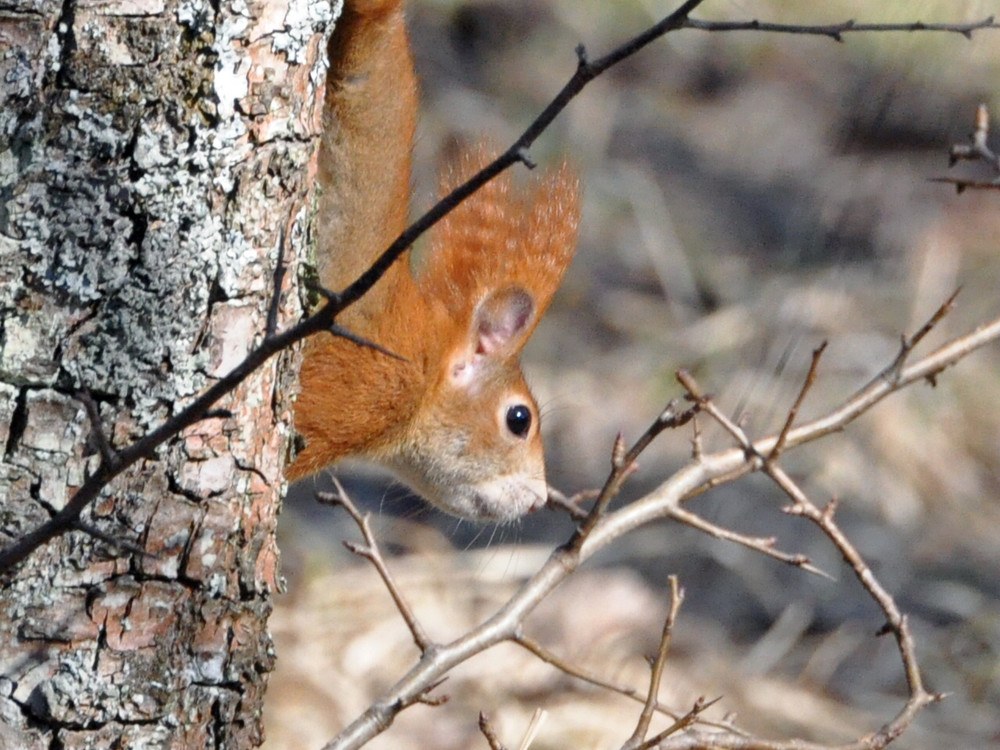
{"points": [[747, 196]]}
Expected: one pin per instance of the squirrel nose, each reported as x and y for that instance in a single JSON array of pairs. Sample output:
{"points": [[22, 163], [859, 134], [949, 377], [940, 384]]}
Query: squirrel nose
{"points": [[506, 498]]}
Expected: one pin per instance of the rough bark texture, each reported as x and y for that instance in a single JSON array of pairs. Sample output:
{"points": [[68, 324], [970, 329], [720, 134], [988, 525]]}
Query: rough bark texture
{"points": [[152, 154]]}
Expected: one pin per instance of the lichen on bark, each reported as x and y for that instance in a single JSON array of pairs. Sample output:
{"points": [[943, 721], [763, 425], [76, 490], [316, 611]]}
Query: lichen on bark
{"points": [[153, 154]]}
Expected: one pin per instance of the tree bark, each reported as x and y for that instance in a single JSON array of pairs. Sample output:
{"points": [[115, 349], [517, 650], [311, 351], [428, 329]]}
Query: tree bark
{"points": [[155, 160]]}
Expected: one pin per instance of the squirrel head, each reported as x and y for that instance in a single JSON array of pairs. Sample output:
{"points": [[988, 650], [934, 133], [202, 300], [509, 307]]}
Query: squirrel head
{"points": [[473, 447], [454, 418]]}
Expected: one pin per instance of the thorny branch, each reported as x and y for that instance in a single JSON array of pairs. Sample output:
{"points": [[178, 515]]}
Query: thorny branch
{"points": [[702, 471], [764, 545], [793, 412], [683, 722], [629, 691], [836, 31]]}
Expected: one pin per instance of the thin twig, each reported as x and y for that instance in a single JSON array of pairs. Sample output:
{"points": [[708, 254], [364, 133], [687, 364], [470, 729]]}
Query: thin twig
{"points": [[656, 672], [696, 446], [961, 185], [370, 551], [364, 343], [424, 698], [623, 463], [794, 411], [978, 148], [486, 727], [824, 519], [684, 722], [836, 31], [579, 673], [570, 505], [908, 343], [708, 406], [763, 545], [108, 454]]}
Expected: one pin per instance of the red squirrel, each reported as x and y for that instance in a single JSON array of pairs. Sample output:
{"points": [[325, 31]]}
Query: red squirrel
{"points": [[454, 418]]}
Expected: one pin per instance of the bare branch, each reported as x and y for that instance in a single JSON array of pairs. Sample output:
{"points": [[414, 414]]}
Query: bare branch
{"points": [[683, 722], [536, 648], [764, 545], [370, 551], [623, 463], [824, 519], [836, 31], [961, 185], [907, 344], [656, 672], [570, 505], [572, 670], [425, 697], [708, 406], [343, 333], [793, 412], [977, 149]]}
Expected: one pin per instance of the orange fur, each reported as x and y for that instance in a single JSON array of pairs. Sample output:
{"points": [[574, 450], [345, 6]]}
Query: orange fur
{"points": [[437, 418]]}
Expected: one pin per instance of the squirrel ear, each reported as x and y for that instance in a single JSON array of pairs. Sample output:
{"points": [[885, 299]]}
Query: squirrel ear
{"points": [[502, 322], [498, 329]]}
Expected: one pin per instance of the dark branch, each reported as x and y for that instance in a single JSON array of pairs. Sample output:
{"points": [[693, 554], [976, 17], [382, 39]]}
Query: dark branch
{"points": [[108, 455], [836, 31], [343, 333]]}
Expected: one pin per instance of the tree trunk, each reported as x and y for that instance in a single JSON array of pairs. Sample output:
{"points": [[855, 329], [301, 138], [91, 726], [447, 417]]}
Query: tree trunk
{"points": [[155, 159]]}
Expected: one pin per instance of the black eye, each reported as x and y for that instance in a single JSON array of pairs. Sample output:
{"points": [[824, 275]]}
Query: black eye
{"points": [[519, 419]]}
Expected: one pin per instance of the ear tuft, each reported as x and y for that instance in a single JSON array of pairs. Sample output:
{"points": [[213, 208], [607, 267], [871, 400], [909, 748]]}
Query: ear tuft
{"points": [[504, 237], [502, 321]]}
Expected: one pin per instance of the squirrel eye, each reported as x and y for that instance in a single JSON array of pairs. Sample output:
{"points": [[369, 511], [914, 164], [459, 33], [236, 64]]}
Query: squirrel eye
{"points": [[519, 420]]}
